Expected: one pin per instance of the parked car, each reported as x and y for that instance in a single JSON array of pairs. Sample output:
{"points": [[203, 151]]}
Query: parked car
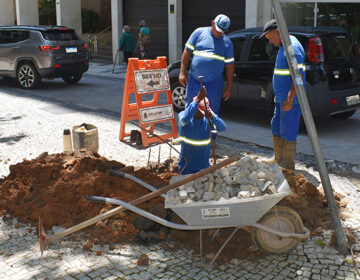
{"points": [[332, 71], [30, 53]]}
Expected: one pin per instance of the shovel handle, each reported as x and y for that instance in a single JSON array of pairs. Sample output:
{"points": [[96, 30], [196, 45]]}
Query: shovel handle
{"points": [[117, 173], [96, 198]]}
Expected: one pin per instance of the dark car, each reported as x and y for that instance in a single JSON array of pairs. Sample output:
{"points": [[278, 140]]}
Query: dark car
{"points": [[30, 53], [332, 71]]}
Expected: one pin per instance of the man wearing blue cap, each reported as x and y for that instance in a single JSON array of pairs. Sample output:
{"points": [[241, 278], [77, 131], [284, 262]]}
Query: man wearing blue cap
{"points": [[212, 57]]}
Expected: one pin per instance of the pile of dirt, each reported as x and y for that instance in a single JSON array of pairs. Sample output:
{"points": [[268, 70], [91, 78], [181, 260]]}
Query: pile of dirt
{"points": [[55, 187], [310, 202]]}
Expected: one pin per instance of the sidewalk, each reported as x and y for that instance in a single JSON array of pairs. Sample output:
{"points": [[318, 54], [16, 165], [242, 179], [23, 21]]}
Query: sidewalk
{"points": [[105, 70]]}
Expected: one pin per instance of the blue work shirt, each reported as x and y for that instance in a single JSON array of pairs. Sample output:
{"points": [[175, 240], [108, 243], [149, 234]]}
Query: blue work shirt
{"points": [[282, 80], [195, 139], [210, 54]]}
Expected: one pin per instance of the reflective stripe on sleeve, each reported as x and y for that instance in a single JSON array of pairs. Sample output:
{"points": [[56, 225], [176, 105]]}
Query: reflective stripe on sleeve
{"points": [[194, 142], [286, 72], [229, 60], [191, 47]]}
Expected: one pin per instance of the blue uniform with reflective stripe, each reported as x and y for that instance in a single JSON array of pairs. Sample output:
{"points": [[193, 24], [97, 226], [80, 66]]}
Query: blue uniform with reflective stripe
{"points": [[282, 80], [210, 56], [285, 124], [195, 144]]}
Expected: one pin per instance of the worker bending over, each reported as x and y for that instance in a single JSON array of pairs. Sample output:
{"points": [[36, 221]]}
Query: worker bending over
{"points": [[194, 134]]}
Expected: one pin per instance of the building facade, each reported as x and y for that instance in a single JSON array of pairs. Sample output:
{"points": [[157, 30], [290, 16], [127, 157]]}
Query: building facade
{"points": [[172, 21]]}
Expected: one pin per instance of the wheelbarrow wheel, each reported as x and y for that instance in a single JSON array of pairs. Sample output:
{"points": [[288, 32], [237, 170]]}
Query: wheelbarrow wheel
{"points": [[279, 218]]}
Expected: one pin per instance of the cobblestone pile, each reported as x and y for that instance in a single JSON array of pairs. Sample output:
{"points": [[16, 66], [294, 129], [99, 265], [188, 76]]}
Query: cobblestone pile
{"points": [[248, 177]]}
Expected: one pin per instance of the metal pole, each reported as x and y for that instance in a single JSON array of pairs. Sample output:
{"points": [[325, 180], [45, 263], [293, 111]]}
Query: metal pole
{"points": [[310, 127], [315, 13]]}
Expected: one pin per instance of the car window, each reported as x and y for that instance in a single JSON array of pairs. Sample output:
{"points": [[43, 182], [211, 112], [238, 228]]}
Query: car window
{"points": [[262, 50], [13, 36], [19, 35], [238, 44], [59, 35], [339, 46], [5, 37]]}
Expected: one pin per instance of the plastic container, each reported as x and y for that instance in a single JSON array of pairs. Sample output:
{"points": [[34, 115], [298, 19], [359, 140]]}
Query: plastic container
{"points": [[67, 140], [85, 136]]}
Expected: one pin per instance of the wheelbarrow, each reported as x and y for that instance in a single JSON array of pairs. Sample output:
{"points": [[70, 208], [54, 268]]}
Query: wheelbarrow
{"points": [[275, 229]]}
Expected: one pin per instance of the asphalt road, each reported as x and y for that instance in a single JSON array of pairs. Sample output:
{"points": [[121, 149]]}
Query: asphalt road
{"points": [[339, 139]]}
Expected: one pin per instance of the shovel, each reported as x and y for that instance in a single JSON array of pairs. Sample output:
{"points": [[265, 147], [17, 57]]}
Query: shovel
{"points": [[45, 240]]}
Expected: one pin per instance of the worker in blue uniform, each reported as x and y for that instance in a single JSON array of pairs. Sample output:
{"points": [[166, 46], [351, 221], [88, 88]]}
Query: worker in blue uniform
{"points": [[194, 134], [211, 54], [287, 113]]}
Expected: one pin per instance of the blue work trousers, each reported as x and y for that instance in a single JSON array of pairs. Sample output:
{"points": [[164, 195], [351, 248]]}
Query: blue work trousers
{"points": [[285, 124], [214, 91]]}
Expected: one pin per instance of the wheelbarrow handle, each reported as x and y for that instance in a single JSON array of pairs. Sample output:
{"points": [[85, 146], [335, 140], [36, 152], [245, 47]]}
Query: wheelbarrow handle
{"points": [[96, 198], [117, 173]]}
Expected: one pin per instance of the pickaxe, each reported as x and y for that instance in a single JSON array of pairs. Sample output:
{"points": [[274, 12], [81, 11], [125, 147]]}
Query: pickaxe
{"points": [[209, 125]]}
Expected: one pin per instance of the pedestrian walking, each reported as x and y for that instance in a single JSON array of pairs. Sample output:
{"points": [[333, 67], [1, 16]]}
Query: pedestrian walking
{"points": [[127, 43], [144, 39], [194, 134], [211, 54], [286, 119]]}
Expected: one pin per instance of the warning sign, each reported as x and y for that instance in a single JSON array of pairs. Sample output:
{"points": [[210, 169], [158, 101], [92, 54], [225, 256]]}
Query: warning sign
{"points": [[151, 80], [154, 114], [215, 213]]}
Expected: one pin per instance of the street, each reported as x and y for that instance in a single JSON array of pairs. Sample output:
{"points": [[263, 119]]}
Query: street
{"points": [[32, 122], [102, 91]]}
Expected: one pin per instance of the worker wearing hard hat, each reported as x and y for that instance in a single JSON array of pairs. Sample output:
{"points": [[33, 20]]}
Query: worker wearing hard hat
{"points": [[212, 56], [287, 113], [194, 134]]}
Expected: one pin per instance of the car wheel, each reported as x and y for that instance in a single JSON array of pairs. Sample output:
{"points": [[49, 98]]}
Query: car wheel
{"points": [[27, 76], [178, 95], [73, 78], [344, 115]]}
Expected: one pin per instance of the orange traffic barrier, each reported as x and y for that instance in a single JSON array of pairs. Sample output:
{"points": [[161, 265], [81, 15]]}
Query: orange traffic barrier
{"points": [[144, 78]]}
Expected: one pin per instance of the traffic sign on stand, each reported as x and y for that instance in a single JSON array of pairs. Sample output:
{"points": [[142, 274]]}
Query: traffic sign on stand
{"points": [[145, 77]]}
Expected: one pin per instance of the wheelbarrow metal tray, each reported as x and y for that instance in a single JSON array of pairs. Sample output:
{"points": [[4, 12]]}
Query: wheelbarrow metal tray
{"points": [[233, 212]]}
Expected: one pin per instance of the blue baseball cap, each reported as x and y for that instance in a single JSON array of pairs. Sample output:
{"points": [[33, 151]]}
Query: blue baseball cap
{"points": [[222, 23]]}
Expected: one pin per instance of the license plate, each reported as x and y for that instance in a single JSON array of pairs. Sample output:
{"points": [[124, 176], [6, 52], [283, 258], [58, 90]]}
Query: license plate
{"points": [[353, 99], [71, 49]]}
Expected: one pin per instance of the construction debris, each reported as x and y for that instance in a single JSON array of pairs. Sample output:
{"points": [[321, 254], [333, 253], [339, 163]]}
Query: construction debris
{"points": [[248, 177]]}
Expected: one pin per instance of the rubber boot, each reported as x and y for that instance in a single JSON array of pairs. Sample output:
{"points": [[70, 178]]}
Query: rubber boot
{"points": [[278, 150], [288, 160]]}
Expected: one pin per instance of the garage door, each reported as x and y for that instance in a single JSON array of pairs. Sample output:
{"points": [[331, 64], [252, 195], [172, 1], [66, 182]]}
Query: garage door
{"points": [[199, 13], [156, 15]]}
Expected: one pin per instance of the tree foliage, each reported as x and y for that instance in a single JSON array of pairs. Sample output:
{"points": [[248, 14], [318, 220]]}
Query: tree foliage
{"points": [[90, 20], [47, 12]]}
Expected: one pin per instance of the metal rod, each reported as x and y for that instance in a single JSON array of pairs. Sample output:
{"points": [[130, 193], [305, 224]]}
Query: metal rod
{"points": [[135, 179], [224, 244], [201, 247], [310, 127], [214, 235], [166, 142], [117, 52], [147, 167], [158, 163]]}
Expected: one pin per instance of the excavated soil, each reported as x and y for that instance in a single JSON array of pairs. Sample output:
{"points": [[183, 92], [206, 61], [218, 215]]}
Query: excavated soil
{"points": [[55, 187]]}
